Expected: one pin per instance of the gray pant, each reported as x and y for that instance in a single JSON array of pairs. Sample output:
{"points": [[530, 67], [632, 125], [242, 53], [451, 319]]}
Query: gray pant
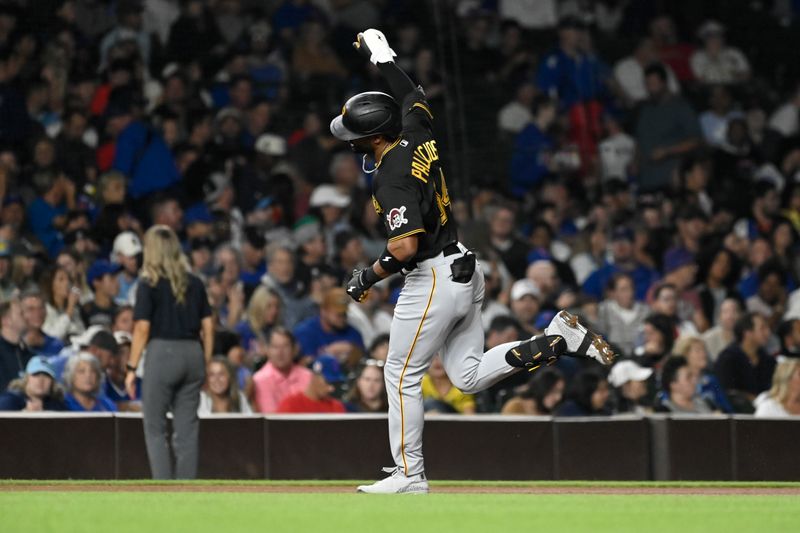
{"points": [[435, 314], [174, 372]]}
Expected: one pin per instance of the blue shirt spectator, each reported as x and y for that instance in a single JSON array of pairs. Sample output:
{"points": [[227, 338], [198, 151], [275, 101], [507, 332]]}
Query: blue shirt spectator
{"points": [[622, 250], [143, 156], [317, 333], [533, 148]]}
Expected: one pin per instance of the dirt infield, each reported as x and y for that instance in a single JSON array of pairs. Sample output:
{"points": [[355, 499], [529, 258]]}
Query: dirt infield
{"points": [[443, 489]]}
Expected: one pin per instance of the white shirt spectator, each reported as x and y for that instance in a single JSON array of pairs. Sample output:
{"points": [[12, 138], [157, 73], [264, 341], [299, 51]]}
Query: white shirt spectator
{"points": [[785, 119], [715, 127], [530, 14], [206, 405], [616, 153], [513, 117], [767, 406], [629, 74], [727, 67]]}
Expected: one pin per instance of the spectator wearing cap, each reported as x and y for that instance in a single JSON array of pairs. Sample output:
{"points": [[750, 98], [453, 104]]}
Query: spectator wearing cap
{"points": [[14, 355], [679, 389], [317, 396], [281, 376], [264, 175], [716, 63], [629, 72], [127, 252], [629, 381], [114, 375], [526, 304], [83, 378], [46, 214], [34, 313], [440, 396], [708, 387], [532, 159], [36, 391], [623, 260], [96, 341], [280, 277], [318, 334], [221, 393], [331, 204], [311, 250], [620, 317], [128, 28], [62, 296], [254, 265], [198, 221], [262, 316], [744, 368], [666, 130], [102, 278]]}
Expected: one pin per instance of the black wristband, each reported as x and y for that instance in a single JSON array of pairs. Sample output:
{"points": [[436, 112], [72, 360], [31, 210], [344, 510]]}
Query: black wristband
{"points": [[370, 277], [130, 368], [390, 263]]}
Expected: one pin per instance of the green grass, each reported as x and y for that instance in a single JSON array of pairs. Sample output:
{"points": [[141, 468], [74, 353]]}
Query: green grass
{"points": [[201, 512]]}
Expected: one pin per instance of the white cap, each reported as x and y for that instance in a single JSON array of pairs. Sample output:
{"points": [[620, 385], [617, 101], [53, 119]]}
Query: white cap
{"points": [[626, 371], [127, 244], [524, 287], [271, 144], [709, 28], [328, 195], [83, 339]]}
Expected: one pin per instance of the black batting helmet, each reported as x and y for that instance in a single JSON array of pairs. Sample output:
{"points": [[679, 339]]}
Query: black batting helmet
{"points": [[365, 114]]}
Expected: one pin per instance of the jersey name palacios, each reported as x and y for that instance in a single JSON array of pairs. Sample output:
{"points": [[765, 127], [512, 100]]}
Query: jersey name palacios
{"points": [[409, 190]]}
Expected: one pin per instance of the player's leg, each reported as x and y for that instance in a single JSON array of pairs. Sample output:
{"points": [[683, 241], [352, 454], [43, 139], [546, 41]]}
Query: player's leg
{"points": [[415, 336]]}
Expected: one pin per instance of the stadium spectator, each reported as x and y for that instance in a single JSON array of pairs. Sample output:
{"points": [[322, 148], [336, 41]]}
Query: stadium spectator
{"points": [[46, 214], [126, 252], [623, 261], [679, 388], [83, 379], [102, 278], [280, 377], [38, 390], [317, 396], [539, 397], [525, 304], [716, 62], [620, 317], [14, 355], [708, 386], [720, 336], [114, 374], [280, 277], [629, 72], [368, 394], [744, 368], [788, 333], [532, 158], [666, 130], [783, 399], [34, 312], [440, 396], [318, 335], [587, 395], [262, 315], [630, 382], [221, 393]]}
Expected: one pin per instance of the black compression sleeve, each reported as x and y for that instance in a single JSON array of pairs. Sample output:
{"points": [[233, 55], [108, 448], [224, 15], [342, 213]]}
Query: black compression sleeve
{"points": [[399, 82]]}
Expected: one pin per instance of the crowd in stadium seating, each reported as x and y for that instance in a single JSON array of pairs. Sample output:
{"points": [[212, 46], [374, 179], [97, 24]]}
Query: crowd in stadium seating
{"points": [[636, 162]]}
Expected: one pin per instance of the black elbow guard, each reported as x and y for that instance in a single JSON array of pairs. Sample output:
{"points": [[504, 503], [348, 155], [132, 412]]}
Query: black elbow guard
{"points": [[390, 263]]}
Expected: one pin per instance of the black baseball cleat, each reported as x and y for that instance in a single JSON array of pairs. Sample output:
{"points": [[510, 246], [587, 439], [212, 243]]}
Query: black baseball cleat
{"points": [[538, 351]]}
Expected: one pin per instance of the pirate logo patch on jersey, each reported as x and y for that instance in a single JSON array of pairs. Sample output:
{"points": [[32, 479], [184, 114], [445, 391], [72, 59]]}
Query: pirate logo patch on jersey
{"points": [[396, 217]]}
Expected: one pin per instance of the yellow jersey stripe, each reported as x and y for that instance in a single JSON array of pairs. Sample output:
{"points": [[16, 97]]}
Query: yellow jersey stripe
{"points": [[424, 108], [403, 373], [388, 149], [404, 235]]}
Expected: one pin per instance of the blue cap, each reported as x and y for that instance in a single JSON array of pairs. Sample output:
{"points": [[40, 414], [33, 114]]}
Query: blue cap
{"points": [[40, 365], [328, 367], [197, 213], [677, 258], [100, 268]]}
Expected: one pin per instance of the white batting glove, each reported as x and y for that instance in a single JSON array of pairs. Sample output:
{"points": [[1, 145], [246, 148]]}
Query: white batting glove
{"points": [[373, 43]]}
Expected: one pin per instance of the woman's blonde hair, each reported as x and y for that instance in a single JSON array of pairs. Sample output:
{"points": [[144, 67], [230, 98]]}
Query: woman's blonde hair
{"points": [[255, 310], [684, 343], [163, 258], [780, 379]]}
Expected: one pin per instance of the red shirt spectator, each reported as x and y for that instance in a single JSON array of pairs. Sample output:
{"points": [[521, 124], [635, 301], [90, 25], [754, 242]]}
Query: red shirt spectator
{"points": [[316, 398]]}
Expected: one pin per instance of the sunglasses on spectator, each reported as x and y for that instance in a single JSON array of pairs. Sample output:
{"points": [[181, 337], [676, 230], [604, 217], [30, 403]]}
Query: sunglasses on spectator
{"points": [[374, 362]]}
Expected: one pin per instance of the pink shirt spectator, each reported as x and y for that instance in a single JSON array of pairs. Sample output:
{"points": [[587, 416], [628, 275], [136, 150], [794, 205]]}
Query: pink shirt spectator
{"points": [[272, 385]]}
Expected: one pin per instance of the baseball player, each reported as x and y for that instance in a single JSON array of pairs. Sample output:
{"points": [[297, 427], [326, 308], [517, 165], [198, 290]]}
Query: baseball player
{"points": [[439, 309]]}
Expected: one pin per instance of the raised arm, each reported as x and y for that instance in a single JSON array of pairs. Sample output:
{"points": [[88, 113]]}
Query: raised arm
{"points": [[373, 45]]}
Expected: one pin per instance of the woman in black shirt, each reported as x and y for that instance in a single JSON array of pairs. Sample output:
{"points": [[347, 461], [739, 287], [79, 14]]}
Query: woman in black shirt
{"points": [[171, 310]]}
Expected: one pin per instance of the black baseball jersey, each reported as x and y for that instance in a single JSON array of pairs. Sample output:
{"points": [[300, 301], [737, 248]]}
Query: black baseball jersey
{"points": [[409, 190]]}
